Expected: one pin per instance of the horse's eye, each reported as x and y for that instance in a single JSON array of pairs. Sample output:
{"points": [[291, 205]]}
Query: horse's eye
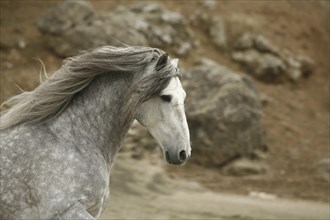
{"points": [[166, 98]]}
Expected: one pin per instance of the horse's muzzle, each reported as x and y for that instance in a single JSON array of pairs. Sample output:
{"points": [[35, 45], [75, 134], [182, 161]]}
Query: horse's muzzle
{"points": [[176, 159]]}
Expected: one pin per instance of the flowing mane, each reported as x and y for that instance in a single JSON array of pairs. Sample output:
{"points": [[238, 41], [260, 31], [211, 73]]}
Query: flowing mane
{"points": [[52, 97]]}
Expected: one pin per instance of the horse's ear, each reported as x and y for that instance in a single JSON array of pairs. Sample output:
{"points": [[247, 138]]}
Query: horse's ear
{"points": [[162, 61], [175, 62]]}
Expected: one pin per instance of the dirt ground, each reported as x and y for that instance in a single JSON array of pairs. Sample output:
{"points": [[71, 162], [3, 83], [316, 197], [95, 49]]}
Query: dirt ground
{"points": [[140, 193], [296, 117]]}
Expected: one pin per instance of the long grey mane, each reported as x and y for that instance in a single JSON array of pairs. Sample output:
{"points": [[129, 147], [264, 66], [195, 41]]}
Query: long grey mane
{"points": [[52, 97]]}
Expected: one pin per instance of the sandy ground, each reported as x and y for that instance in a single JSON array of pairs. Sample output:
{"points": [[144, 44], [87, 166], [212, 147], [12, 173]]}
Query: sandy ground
{"points": [[140, 189]]}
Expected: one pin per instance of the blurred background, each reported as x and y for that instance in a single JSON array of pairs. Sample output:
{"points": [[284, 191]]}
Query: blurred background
{"points": [[256, 75]]}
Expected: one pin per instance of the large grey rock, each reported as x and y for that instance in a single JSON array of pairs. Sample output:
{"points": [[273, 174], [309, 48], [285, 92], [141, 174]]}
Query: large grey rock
{"points": [[224, 114], [73, 26]]}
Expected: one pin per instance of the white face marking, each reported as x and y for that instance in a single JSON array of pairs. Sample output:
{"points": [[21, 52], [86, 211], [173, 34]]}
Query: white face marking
{"points": [[165, 119]]}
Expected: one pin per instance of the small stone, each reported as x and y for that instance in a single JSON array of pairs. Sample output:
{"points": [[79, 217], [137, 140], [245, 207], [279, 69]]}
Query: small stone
{"points": [[248, 58], [141, 25], [218, 33], [21, 44], [199, 18], [167, 39], [184, 49], [172, 18], [244, 42], [270, 66], [209, 4], [147, 7], [307, 65], [244, 167], [294, 74], [264, 45], [265, 100]]}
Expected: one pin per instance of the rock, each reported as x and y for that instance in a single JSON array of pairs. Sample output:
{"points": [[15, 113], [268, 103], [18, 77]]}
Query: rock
{"points": [[265, 100], [265, 67], [65, 16], [184, 49], [238, 24], [105, 29], [294, 72], [199, 18], [69, 30], [209, 4], [147, 7], [270, 68], [307, 65], [299, 66], [173, 18], [244, 42], [249, 59], [218, 33], [21, 44], [224, 114], [262, 44], [244, 167]]}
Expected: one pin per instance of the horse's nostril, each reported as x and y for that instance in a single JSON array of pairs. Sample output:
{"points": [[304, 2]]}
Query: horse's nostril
{"points": [[182, 155]]}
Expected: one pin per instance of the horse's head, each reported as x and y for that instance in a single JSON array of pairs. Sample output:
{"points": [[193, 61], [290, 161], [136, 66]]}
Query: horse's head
{"points": [[164, 117]]}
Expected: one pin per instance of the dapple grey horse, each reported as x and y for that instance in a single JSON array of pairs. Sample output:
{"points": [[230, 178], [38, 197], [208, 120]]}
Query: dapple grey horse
{"points": [[58, 142]]}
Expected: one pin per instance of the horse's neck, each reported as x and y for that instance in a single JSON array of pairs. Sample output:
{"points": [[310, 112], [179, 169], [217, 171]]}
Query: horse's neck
{"points": [[94, 117]]}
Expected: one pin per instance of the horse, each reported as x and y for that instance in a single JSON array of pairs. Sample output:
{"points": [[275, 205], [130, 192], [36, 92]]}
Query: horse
{"points": [[59, 141]]}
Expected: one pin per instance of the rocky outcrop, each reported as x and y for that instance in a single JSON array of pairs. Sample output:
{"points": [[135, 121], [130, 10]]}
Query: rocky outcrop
{"points": [[224, 114], [266, 62], [73, 26]]}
